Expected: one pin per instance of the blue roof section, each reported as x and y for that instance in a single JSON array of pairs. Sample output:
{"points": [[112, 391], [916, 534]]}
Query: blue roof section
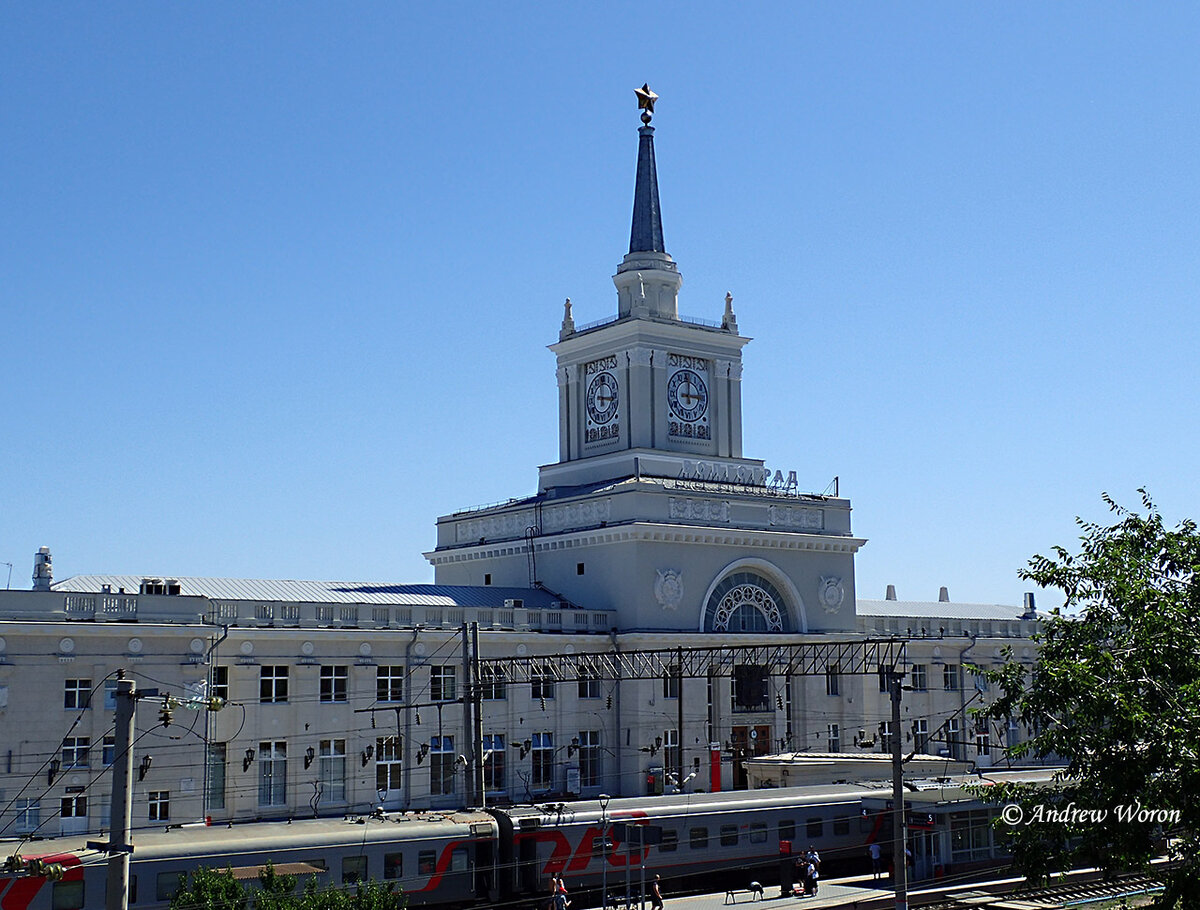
{"points": [[646, 234], [937, 609], [340, 592]]}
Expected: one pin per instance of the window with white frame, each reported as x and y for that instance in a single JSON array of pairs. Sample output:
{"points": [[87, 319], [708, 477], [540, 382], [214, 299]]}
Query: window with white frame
{"points": [[272, 685], [160, 805], [216, 775], [671, 756], [952, 677], [333, 683], [272, 773], [220, 683], [543, 760], [333, 770], [541, 681], [833, 739], [670, 682], [493, 683], [920, 731], [28, 816], [389, 684], [885, 737], [493, 761], [833, 679], [442, 685], [441, 765], [919, 678], [954, 738], [983, 739], [389, 764], [75, 751], [109, 753], [75, 693], [110, 695], [589, 680], [73, 807], [589, 758]]}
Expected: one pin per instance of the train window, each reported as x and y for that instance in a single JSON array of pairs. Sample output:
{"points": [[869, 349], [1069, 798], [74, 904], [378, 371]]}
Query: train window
{"points": [[787, 830], [669, 842], [319, 863], [68, 896], [841, 825], [426, 862], [166, 885], [758, 833], [458, 859], [393, 865], [729, 835], [698, 838], [354, 869], [814, 827]]}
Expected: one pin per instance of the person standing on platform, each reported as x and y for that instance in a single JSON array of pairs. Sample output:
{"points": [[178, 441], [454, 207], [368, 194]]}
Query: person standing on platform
{"points": [[656, 898], [876, 861]]}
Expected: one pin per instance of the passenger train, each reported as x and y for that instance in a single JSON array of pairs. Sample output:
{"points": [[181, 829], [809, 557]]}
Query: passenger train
{"points": [[456, 858]]}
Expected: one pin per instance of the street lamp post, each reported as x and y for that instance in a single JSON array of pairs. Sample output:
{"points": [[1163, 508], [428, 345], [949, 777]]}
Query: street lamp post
{"points": [[604, 798]]}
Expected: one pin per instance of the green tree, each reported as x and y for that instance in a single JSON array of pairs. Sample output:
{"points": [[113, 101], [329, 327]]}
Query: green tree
{"points": [[209, 889], [1115, 696]]}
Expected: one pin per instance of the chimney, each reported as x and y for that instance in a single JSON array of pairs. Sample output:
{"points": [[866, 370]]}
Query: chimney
{"points": [[944, 595], [43, 571], [891, 593], [1030, 607]]}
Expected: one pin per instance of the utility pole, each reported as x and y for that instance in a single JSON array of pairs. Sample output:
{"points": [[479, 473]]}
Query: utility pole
{"points": [[899, 839], [679, 719], [118, 845], [477, 711]]}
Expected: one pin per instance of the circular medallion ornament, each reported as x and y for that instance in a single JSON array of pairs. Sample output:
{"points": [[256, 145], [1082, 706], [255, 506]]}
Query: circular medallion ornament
{"points": [[196, 646], [135, 646], [687, 395], [522, 650], [364, 649], [832, 593], [247, 648], [307, 648], [668, 588], [602, 398], [66, 645], [419, 649]]}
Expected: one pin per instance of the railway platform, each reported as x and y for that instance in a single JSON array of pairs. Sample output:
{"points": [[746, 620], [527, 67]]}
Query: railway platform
{"points": [[853, 893]]}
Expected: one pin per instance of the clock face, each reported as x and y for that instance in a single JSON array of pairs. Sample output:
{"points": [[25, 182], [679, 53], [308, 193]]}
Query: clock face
{"points": [[687, 395], [602, 398]]}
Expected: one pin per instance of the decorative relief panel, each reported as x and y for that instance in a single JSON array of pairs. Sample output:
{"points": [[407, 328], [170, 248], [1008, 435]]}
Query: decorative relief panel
{"points": [[668, 588], [699, 509], [796, 517], [831, 593], [576, 515], [556, 518]]}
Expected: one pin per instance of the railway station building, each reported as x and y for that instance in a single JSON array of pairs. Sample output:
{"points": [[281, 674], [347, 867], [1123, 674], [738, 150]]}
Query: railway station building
{"points": [[652, 532]]}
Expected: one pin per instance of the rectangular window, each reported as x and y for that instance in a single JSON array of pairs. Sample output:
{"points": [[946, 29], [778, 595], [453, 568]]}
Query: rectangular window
{"points": [[758, 832], [272, 685], [670, 682], [669, 842], [841, 825], [698, 838], [109, 753], [493, 683], [426, 862], [787, 830], [333, 770], [110, 695], [216, 775], [333, 684], [220, 683], [833, 677], [29, 816], [885, 737], [75, 693], [393, 865], [543, 760], [75, 751], [983, 739], [671, 756], [389, 684], [272, 773], [458, 859], [729, 835], [589, 681], [442, 683], [493, 761], [814, 827], [441, 765], [954, 738], [388, 764], [160, 805], [589, 758], [920, 736], [541, 681], [73, 807], [167, 884], [882, 672], [67, 896], [1012, 733], [951, 677], [919, 678], [834, 738], [354, 869]]}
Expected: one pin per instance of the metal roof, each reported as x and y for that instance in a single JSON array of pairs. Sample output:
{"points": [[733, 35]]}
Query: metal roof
{"points": [[938, 609], [338, 592]]}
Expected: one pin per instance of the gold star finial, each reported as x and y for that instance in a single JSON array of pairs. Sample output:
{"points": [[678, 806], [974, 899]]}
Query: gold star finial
{"points": [[646, 99]]}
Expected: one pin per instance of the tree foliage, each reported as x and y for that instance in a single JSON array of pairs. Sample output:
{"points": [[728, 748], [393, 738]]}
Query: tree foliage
{"points": [[213, 889], [1115, 696]]}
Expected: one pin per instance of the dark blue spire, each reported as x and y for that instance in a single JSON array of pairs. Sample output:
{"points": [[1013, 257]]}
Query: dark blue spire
{"points": [[646, 235]]}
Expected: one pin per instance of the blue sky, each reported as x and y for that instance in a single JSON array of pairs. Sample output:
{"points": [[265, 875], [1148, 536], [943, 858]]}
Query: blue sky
{"points": [[277, 278]]}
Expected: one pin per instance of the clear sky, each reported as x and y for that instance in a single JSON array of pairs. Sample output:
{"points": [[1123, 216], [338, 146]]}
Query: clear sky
{"points": [[276, 279]]}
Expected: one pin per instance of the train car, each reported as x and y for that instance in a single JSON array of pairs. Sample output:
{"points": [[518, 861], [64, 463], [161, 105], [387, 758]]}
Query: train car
{"points": [[436, 858], [688, 837]]}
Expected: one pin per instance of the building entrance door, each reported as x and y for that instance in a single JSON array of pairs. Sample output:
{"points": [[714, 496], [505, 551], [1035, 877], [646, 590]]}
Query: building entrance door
{"points": [[747, 742]]}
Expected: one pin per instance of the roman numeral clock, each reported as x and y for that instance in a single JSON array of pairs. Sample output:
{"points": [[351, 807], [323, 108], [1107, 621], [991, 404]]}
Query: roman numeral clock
{"points": [[687, 398], [601, 401]]}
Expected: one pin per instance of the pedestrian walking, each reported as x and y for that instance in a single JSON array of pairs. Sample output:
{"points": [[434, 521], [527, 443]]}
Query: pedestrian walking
{"points": [[876, 861], [656, 898]]}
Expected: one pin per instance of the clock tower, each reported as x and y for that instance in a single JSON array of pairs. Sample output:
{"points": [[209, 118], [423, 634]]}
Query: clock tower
{"points": [[646, 389], [651, 510]]}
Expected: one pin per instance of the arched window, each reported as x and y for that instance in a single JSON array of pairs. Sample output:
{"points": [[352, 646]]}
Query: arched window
{"points": [[746, 602]]}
